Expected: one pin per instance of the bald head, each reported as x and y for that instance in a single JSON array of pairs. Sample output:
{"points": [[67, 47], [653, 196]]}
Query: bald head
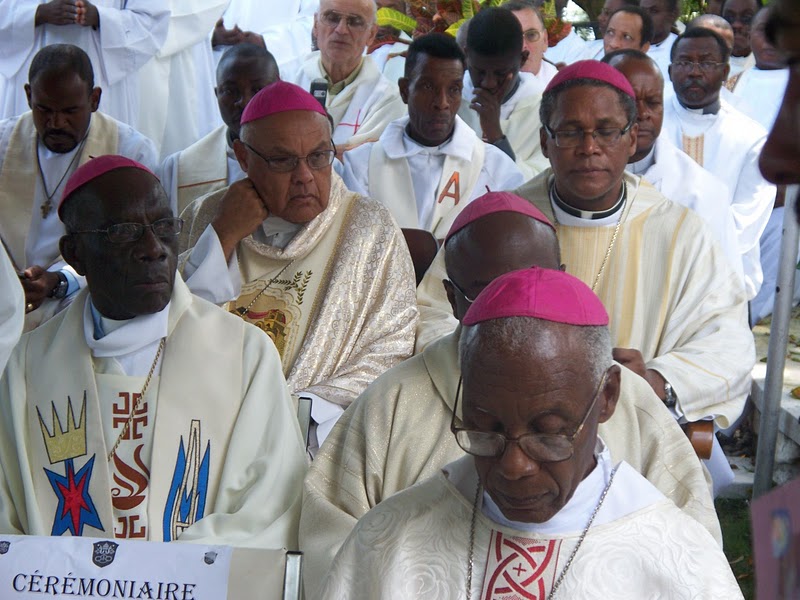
{"points": [[492, 245], [714, 23]]}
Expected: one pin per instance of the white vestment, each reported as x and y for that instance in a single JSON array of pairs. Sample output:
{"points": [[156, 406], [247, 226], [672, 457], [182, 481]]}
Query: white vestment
{"points": [[397, 433], [689, 322], [696, 188], [179, 76], [363, 109], [739, 64], [396, 171], [206, 166], [569, 50], [285, 25], [546, 72], [130, 34], [595, 49], [660, 53], [417, 545], [227, 457], [762, 91], [337, 299], [728, 144], [31, 237], [519, 120], [388, 58], [12, 307]]}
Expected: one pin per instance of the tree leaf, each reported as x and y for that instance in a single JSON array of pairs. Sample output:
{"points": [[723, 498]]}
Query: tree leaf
{"points": [[453, 29], [388, 17]]}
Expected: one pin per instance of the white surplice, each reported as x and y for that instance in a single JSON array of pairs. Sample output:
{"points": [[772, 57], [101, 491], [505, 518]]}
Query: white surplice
{"points": [[417, 543], [363, 109], [762, 91], [129, 35], [519, 120], [740, 64], [397, 433], [728, 145], [12, 307], [546, 72], [180, 76], [696, 188], [569, 50], [403, 171], [660, 53]]}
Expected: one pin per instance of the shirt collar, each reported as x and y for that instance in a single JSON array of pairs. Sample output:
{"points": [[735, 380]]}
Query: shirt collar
{"points": [[398, 144], [336, 88]]}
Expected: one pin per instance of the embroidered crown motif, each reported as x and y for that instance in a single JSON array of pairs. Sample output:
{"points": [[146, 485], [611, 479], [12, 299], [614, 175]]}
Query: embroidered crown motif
{"points": [[65, 444]]}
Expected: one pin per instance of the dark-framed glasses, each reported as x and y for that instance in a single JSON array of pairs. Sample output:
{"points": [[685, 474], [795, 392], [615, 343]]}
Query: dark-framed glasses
{"points": [[541, 447], [604, 136], [331, 18], [122, 233], [706, 66], [285, 164], [532, 35]]}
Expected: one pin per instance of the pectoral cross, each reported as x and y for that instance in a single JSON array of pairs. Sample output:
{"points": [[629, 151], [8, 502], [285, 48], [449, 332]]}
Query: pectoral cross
{"points": [[47, 208]]}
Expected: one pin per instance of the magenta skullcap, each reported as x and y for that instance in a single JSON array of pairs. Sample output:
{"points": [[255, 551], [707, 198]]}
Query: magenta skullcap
{"points": [[495, 202], [545, 294], [592, 69], [279, 97], [93, 169]]}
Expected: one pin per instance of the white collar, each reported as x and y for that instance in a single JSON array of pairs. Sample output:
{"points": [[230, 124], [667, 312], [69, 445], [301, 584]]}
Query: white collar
{"points": [[640, 167], [119, 338], [398, 144]]}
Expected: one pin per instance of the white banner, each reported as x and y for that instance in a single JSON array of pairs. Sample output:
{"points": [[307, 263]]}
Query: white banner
{"points": [[33, 567]]}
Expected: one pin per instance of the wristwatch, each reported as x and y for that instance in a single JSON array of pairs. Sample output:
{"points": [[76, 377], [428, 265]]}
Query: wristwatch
{"points": [[60, 291], [670, 398]]}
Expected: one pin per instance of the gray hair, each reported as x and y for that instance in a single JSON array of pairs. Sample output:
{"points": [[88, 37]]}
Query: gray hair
{"points": [[526, 335]]}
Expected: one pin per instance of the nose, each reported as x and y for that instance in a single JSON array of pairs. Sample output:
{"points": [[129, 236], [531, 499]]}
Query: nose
{"points": [[514, 464], [341, 26], [58, 120], [302, 172], [441, 100], [150, 247], [589, 143], [643, 111]]}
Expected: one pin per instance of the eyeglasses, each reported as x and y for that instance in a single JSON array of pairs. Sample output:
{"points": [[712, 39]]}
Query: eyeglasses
{"points": [[541, 447], [462, 292], [122, 233], [286, 164], [604, 136], [706, 66], [354, 22], [532, 35]]}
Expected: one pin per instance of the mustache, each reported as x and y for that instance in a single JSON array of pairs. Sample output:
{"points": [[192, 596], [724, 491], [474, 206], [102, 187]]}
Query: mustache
{"points": [[694, 82], [61, 132]]}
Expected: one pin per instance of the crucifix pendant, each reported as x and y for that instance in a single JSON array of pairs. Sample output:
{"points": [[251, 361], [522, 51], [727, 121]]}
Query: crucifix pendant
{"points": [[47, 208]]}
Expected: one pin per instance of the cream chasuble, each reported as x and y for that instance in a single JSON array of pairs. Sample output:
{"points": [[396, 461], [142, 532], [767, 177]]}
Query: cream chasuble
{"points": [[670, 293], [397, 433], [12, 308], [417, 544], [219, 418], [338, 300], [519, 120], [361, 111]]}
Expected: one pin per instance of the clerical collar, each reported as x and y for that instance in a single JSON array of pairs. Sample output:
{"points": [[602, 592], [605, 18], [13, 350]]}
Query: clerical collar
{"points": [[110, 338], [275, 231], [335, 88], [587, 214], [640, 166]]}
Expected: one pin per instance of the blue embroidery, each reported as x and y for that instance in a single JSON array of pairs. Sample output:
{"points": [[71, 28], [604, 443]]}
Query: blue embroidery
{"points": [[186, 500]]}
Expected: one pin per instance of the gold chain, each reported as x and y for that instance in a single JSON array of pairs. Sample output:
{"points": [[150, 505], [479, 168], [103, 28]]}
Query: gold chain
{"points": [[127, 425], [242, 311]]}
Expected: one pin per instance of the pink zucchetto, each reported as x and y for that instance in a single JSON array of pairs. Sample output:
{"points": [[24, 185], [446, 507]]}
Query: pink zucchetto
{"points": [[279, 97], [95, 168], [495, 202], [545, 294], [592, 69]]}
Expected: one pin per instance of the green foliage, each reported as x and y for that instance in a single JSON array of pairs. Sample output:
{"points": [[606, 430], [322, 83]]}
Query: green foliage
{"points": [[453, 29], [467, 11], [388, 17], [734, 518]]}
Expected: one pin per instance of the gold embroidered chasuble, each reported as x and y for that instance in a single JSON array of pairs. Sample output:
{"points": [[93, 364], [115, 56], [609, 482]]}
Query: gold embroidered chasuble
{"points": [[397, 434], [227, 456], [670, 292], [341, 309]]}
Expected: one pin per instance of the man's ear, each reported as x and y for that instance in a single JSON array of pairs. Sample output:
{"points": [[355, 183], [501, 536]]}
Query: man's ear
{"points": [[403, 84], [28, 94], [240, 150], [727, 70], [94, 98], [451, 297], [608, 403], [634, 133], [68, 246], [543, 141], [645, 47], [373, 33]]}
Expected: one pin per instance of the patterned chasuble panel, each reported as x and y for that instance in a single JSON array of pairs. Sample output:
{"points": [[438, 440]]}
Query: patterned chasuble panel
{"points": [[520, 568]]}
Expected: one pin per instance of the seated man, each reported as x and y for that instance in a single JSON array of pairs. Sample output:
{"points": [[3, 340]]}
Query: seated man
{"points": [[12, 303], [616, 231], [664, 14], [740, 13], [629, 27], [39, 150], [428, 166], [360, 100], [153, 414], [323, 271], [500, 103], [595, 48], [657, 160], [541, 507], [210, 164], [720, 139], [534, 39], [396, 433]]}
